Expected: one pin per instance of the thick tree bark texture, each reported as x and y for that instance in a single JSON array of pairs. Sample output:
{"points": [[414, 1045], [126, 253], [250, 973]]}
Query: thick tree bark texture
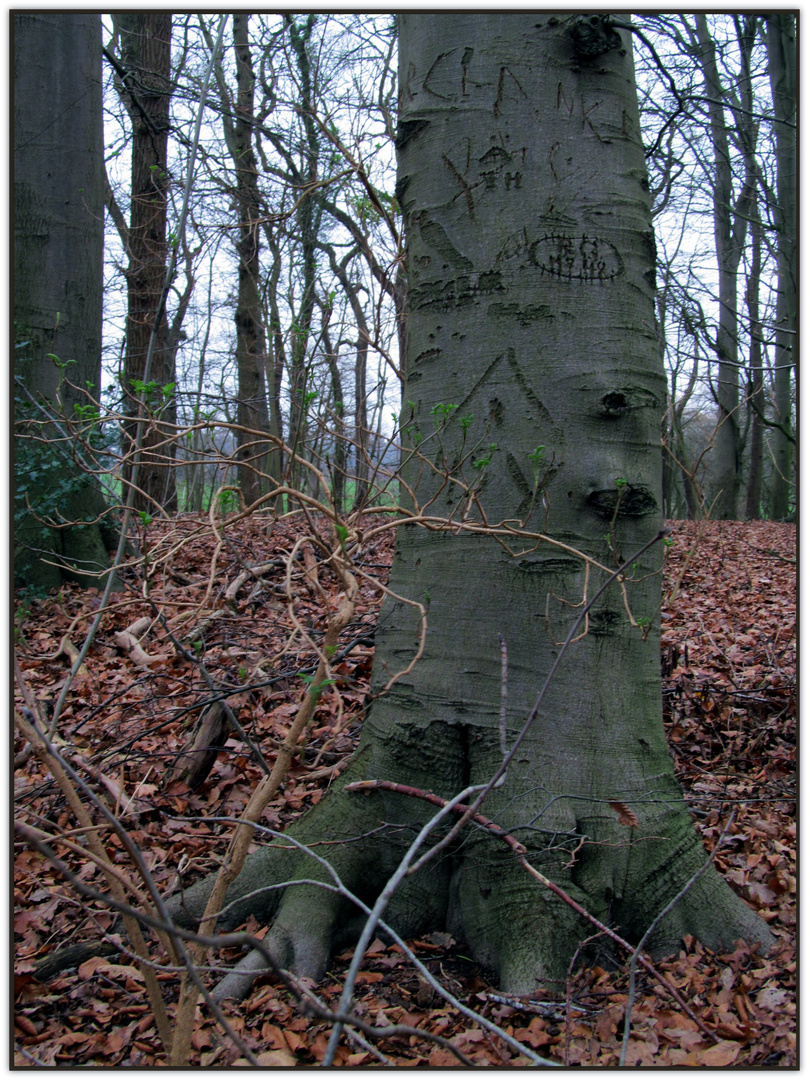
{"points": [[146, 91], [530, 260], [58, 256], [251, 341]]}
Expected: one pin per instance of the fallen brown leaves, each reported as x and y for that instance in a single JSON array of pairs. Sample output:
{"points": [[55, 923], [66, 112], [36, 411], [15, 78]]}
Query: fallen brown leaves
{"points": [[729, 666]]}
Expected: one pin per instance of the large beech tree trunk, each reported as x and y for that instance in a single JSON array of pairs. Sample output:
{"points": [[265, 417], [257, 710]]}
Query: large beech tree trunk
{"points": [[530, 259]]}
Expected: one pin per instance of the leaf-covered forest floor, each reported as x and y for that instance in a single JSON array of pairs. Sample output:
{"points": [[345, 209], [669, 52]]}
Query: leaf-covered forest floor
{"points": [[729, 667]]}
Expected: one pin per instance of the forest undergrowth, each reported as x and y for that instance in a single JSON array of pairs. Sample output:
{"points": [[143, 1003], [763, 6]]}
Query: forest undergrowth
{"points": [[729, 670]]}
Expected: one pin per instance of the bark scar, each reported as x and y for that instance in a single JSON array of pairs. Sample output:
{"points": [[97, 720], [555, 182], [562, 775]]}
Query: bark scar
{"points": [[433, 66], [462, 183]]}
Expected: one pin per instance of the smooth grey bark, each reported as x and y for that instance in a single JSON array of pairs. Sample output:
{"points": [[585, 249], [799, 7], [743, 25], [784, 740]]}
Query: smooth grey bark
{"points": [[58, 269], [782, 71], [530, 263]]}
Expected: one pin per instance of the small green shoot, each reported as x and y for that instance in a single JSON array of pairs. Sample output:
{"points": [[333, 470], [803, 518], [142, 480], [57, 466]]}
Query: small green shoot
{"points": [[481, 463], [315, 690], [441, 410]]}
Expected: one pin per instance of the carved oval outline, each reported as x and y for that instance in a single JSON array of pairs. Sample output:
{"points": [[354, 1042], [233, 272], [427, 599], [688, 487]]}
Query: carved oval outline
{"points": [[571, 258]]}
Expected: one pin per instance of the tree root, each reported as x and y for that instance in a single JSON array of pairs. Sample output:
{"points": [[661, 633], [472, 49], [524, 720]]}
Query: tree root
{"points": [[237, 984]]}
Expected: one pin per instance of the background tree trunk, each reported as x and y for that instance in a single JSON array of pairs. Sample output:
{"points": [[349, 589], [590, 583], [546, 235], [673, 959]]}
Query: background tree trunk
{"points": [[755, 397], [530, 268], [308, 222], [146, 90], [251, 339], [360, 435], [730, 222], [58, 254], [338, 453], [756, 387], [782, 71]]}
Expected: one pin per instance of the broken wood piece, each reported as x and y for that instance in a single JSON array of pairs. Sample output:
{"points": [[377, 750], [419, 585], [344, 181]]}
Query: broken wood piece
{"points": [[195, 762], [68, 649], [132, 647], [310, 567], [255, 571], [139, 627], [127, 641], [197, 631]]}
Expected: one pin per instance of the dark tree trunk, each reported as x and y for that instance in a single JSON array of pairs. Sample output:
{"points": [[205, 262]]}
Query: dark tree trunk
{"points": [[782, 71], [339, 443], [756, 386], [277, 360], [307, 219], [730, 222], [58, 277], [146, 90], [361, 432], [251, 342]]}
